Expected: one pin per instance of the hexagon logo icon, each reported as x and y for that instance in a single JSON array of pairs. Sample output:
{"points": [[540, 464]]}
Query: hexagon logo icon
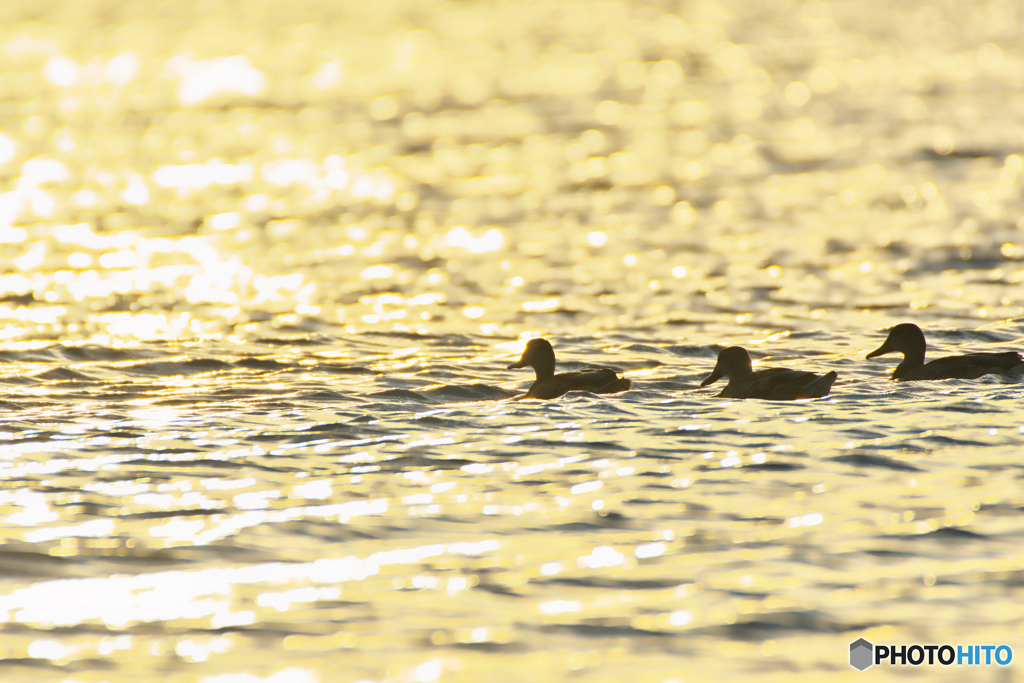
{"points": [[862, 654]]}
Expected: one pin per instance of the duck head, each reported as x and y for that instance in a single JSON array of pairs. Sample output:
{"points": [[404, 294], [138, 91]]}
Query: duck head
{"points": [[906, 338], [539, 355], [732, 362]]}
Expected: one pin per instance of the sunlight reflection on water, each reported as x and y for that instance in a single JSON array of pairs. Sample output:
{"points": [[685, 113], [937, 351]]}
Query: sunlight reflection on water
{"points": [[266, 267]]}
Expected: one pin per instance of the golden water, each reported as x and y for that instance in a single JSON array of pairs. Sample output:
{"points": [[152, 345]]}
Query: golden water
{"points": [[264, 265]]}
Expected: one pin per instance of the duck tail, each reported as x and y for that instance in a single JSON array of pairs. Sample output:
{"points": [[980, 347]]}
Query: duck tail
{"points": [[620, 384], [821, 386]]}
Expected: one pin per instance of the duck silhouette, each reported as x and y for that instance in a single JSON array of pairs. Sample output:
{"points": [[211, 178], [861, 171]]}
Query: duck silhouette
{"points": [[773, 384], [541, 357], [908, 339]]}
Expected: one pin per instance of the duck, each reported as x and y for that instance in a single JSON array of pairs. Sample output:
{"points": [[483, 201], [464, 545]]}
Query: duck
{"points": [[541, 357], [908, 339], [773, 384]]}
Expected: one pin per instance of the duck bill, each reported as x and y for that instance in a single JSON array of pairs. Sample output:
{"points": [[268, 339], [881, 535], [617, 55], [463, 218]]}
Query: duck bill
{"points": [[880, 351], [518, 364], [713, 377]]}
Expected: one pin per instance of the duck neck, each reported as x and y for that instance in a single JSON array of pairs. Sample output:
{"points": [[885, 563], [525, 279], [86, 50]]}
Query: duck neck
{"points": [[913, 358], [544, 368]]}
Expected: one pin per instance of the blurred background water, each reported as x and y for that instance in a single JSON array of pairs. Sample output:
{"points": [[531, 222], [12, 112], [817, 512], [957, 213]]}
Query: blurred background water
{"points": [[264, 265]]}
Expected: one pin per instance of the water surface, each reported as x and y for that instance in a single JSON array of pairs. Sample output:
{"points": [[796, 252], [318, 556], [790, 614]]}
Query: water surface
{"points": [[264, 267]]}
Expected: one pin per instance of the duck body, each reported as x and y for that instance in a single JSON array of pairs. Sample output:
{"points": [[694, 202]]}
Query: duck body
{"points": [[773, 384], [541, 357], [908, 339]]}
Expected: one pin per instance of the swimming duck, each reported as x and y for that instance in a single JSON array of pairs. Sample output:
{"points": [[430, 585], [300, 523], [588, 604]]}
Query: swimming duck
{"points": [[541, 357], [774, 384], [908, 339]]}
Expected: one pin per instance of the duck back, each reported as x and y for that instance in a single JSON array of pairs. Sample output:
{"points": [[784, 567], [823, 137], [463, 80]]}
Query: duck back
{"points": [[780, 384], [600, 381], [967, 366]]}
